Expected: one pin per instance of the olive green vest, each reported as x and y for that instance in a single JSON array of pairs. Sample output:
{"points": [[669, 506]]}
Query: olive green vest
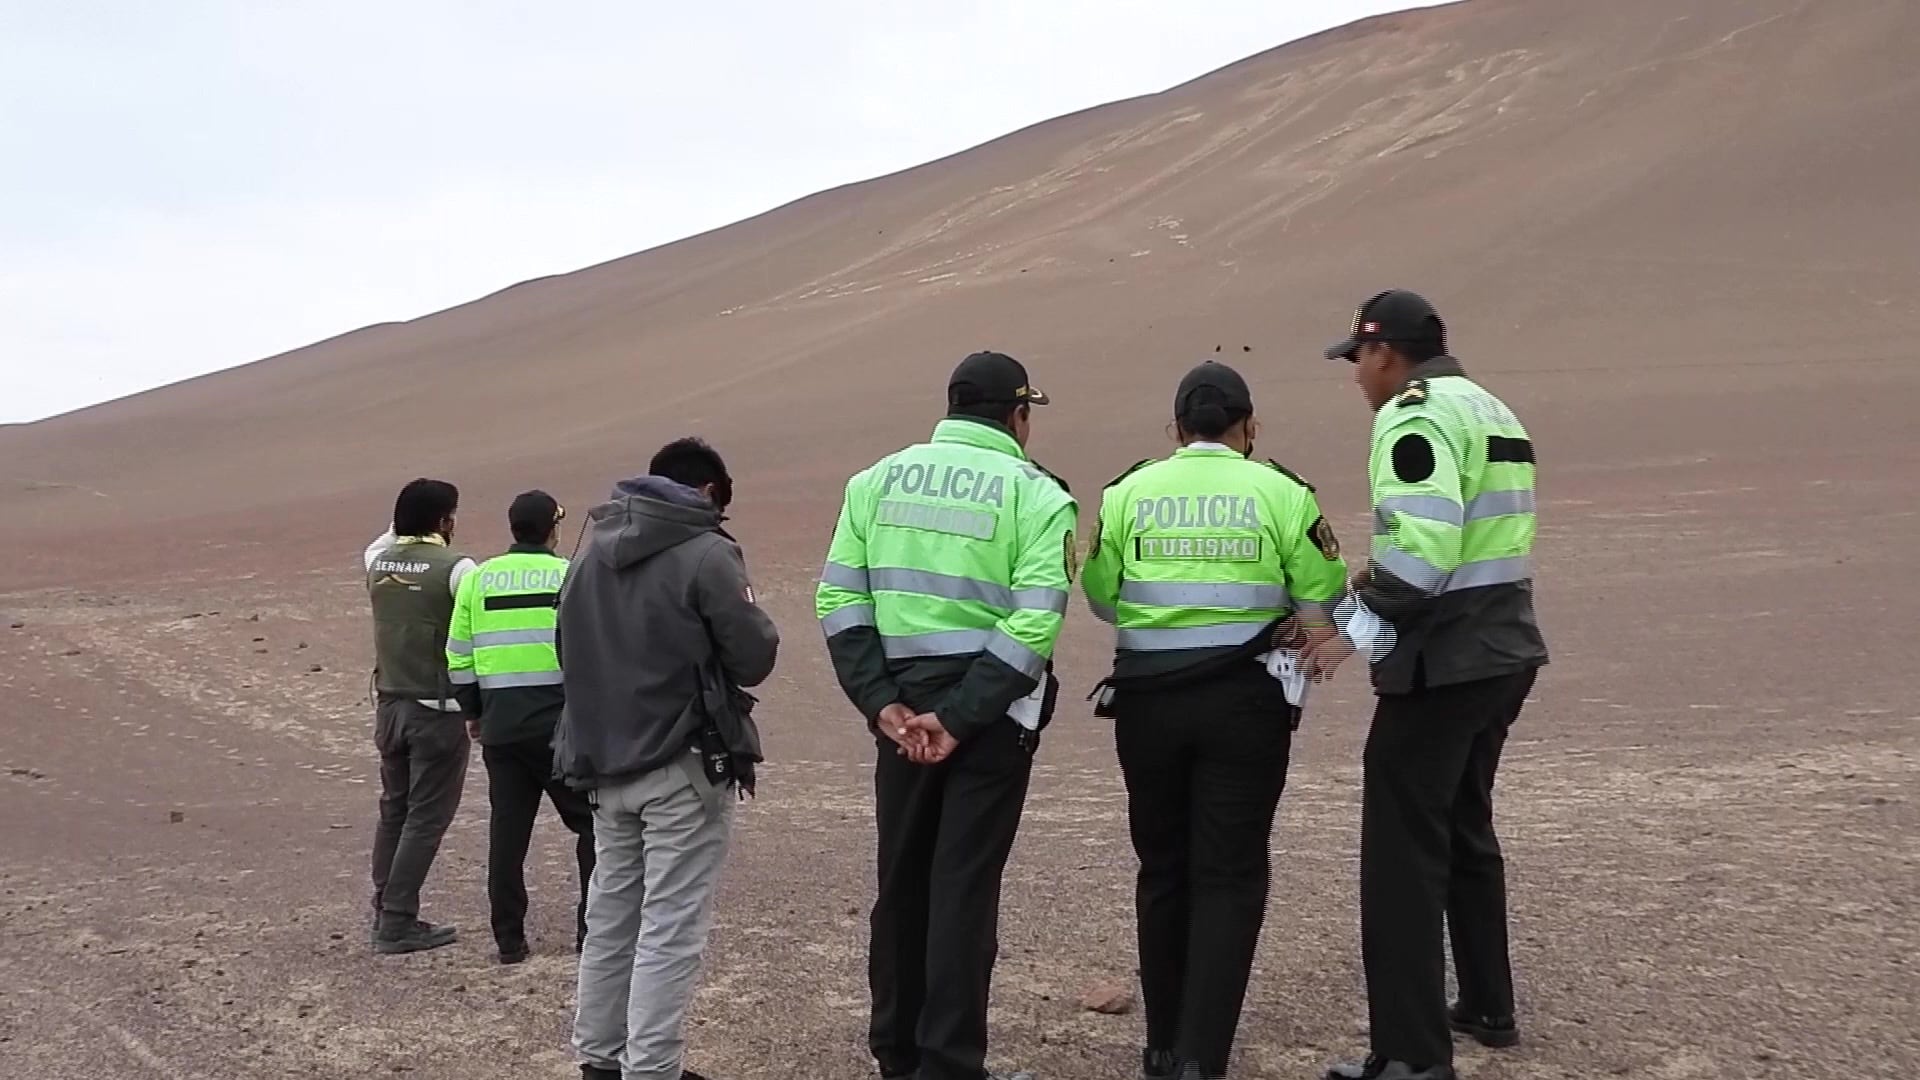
{"points": [[412, 607]]}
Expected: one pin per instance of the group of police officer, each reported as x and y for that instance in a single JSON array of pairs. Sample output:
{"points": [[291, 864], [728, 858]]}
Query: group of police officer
{"points": [[944, 592]]}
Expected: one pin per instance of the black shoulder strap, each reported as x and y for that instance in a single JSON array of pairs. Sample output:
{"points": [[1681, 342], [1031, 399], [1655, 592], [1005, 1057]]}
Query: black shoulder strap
{"points": [[1131, 469], [1051, 475], [1290, 474]]}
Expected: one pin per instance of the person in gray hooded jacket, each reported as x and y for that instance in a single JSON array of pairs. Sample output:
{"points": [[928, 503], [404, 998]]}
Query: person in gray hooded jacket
{"points": [[661, 593]]}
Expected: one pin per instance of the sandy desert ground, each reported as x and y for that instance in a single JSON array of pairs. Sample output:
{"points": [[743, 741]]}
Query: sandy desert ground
{"points": [[1676, 237]]}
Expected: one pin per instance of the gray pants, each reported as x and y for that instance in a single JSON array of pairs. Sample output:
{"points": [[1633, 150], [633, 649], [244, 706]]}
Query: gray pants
{"points": [[423, 766], [659, 841]]}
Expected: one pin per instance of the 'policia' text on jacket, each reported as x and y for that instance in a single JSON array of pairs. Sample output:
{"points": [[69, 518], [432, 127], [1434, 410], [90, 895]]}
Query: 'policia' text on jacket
{"points": [[500, 653], [947, 579]]}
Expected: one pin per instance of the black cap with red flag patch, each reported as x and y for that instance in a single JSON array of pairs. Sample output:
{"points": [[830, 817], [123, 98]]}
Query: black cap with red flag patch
{"points": [[1392, 316]]}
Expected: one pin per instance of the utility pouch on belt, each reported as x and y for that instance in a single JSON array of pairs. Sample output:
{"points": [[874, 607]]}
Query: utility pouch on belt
{"points": [[714, 758], [1102, 698]]}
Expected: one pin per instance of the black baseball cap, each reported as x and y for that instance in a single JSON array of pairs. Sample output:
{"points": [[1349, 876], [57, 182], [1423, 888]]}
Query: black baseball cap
{"points": [[991, 378], [1392, 316], [534, 511], [1215, 383]]}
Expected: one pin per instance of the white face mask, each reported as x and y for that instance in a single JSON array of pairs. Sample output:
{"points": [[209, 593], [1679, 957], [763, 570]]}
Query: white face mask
{"points": [[1205, 444]]}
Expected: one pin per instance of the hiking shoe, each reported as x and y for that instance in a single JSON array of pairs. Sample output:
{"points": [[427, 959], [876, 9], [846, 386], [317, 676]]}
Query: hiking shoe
{"points": [[595, 1072], [513, 954], [419, 937]]}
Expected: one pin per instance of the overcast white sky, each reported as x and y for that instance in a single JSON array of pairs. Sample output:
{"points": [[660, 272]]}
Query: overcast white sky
{"points": [[190, 185]]}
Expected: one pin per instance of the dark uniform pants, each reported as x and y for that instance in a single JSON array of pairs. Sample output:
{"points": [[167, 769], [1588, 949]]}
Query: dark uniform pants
{"points": [[1428, 857], [423, 767], [1204, 768], [945, 833], [518, 773]]}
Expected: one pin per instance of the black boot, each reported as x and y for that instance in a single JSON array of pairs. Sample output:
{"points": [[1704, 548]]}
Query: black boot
{"points": [[1379, 1068], [1494, 1031], [1158, 1065]]}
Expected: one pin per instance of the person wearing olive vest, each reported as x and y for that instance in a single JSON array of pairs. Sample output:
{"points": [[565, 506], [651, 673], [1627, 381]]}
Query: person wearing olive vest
{"points": [[413, 573], [502, 661], [1444, 613], [943, 593], [1197, 560]]}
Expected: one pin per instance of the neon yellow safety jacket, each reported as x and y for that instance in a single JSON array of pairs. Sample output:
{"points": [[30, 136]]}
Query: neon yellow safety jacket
{"points": [[1196, 556], [1452, 475], [500, 648], [947, 579]]}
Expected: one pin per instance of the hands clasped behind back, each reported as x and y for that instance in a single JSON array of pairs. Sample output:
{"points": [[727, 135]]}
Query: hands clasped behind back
{"points": [[920, 736]]}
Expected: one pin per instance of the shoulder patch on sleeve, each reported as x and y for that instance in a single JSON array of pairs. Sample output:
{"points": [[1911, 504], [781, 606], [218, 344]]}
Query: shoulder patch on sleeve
{"points": [[1131, 469], [1321, 533], [1070, 555], [1412, 458], [1289, 474], [1414, 394]]}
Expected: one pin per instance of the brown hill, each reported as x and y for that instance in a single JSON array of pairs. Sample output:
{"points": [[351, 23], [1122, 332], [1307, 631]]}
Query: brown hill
{"points": [[1601, 197]]}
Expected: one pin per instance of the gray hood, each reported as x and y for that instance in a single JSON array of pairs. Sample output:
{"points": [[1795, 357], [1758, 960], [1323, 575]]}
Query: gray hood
{"points": [[645, 516], [663, 595]]}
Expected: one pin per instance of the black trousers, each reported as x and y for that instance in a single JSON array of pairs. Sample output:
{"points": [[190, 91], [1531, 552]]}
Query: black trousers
{"points": [[1204, 767], [518, 774], [1430, 863], [945, 832], [423, 765]]}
